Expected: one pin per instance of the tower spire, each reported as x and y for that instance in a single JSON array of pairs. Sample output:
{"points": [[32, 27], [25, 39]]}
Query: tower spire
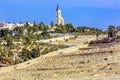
{"points": [[59, 18], [57, 7]]}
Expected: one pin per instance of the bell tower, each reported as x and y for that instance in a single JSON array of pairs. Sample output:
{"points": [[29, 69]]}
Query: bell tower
{"points": [[57, 14], [59, 18]]}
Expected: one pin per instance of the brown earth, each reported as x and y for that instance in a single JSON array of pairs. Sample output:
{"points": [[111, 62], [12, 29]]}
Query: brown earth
{"points": [[92, 63]]}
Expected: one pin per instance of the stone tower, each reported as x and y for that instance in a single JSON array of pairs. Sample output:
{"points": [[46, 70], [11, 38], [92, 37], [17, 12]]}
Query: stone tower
{"points": [[59, 18]]}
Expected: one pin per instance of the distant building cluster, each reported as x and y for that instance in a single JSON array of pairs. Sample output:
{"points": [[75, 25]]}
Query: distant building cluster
{"points": [[59, 21], [11, 26]]}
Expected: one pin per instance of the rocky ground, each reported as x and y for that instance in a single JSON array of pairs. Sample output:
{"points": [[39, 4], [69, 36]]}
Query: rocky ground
{"points": [[92, 63]]}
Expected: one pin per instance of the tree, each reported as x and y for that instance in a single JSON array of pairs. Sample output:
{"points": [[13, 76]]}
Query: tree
{"points": [[97, 34], [58, 29], [27, 24], [69, 28], [28, 40], [8, 39], [51, 24], [35, 29], [35, 23], [82, 29], [118, 28], [4, 32], [45, 35], [111, 31], [41, 26], [35, 52], [25, 54]]}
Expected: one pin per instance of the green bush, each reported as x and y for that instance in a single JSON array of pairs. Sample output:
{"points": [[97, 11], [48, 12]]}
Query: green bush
{"points": [[66, 40], [96, 42], [35, 52]]}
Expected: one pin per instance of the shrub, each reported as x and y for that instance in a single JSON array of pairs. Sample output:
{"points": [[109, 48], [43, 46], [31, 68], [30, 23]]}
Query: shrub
{"points": [[9, 60], [86, 42], [96, 42], [118, 37], [106, 40], [35, 53], [17, 61], [66, 40]]}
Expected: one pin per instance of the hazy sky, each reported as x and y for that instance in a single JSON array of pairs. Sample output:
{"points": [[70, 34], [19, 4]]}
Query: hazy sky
{"points": [[93, 13]]}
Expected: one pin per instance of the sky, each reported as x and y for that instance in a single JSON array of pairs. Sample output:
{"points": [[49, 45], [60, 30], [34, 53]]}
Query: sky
{"points": [[92, 13]]}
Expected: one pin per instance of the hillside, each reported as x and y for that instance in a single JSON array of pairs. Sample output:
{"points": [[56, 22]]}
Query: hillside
{"points": [[91, 63]]}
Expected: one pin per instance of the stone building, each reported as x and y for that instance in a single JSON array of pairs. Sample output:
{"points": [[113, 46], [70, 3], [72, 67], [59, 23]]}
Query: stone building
{"points": [[59, 18]]}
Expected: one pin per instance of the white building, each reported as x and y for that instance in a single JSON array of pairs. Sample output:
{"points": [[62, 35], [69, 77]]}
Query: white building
{"points": [[59, 18], [30, 23], [118, 33], [19, 24]]}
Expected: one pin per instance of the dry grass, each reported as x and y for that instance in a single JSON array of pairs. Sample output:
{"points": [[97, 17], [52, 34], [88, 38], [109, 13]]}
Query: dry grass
{"points": [[69, 66]]}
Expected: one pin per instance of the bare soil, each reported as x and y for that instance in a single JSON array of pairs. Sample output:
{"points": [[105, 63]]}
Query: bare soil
{"points": [[85, 64]]}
